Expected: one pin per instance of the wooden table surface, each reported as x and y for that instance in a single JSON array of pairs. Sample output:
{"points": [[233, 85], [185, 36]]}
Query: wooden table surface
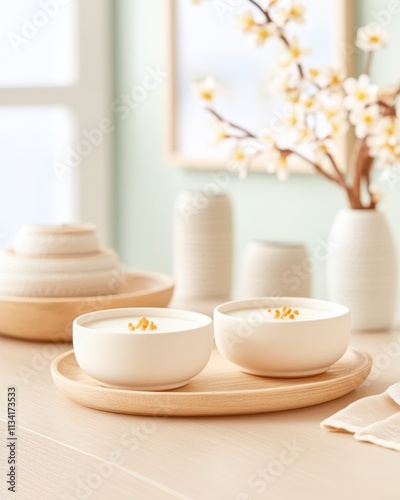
{"points": [[65, 451]]}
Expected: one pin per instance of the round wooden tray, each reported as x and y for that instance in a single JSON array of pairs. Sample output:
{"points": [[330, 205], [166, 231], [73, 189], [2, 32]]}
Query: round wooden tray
{"points": [[221, 389], [50, 319]]}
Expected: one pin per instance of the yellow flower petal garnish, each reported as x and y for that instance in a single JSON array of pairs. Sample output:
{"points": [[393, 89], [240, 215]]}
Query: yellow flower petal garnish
{"points": [[142, 324], [284, 312]]}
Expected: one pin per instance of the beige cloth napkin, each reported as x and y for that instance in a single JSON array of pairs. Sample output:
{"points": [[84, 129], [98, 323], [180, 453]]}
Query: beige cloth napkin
{"points": [[375, 419]]}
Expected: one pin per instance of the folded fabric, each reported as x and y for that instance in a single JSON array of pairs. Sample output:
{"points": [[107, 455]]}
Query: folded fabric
{"points": [[374, 419]]}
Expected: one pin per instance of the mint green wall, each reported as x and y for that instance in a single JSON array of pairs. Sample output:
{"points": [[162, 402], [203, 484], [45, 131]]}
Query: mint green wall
{"points": [[300, 209]]}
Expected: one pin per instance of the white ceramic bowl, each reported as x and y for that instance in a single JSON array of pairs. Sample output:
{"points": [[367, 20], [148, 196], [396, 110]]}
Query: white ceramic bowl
{"points": [[157, 360], [248, 336], [67, 239], [60, 276]]}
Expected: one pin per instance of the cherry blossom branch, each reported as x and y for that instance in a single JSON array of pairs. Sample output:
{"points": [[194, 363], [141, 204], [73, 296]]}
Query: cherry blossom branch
{"points": [[268, 19], [246, 132], [368, 63], [355, 182], [340, 174], [286, 42], [317, 167], [286, 152], [265, 12], [361, 161]]}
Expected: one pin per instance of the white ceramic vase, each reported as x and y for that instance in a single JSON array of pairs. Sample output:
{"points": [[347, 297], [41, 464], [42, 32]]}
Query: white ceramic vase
{"points": [[361, 271], [202, 258], [272, 269]]}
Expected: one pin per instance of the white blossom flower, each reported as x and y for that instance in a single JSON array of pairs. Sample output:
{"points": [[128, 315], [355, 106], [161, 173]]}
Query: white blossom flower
{"points": [[293, 12], [266, 138], [323, 148], [384, 143], [294, 52], [312, 74], [304, 135], [261, 34], [365, 119], [239, 161], [332, 106], [205, 89], [371, 37], [276, 162], [220, 131], [242, 155], [386, 154], [294, 115], [307, 103], [338, 127], [274, 159], [282, 168], [283, 80], [246, 21], [330, 77], [360, 92], [388, 129], [388, 93]]}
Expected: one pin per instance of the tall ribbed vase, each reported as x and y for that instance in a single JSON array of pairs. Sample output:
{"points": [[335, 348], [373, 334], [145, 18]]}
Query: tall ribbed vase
{"points": [[202, 258], [361, 271]]}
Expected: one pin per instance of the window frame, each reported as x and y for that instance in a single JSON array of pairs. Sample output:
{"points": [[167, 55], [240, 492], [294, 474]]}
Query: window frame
{"points": [[89, 99], [343, 31]]}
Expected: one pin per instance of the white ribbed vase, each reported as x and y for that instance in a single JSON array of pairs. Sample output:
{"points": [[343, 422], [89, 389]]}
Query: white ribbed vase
{"points": [[202, 246], [273, 269], [361, 271]]}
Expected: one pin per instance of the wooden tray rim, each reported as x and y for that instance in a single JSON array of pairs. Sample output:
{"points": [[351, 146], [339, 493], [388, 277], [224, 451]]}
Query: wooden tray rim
{"points": [[165, 282], [359, 373]]}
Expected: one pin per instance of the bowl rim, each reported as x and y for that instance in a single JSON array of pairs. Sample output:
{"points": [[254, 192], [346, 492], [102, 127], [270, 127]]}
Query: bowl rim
{"points": [[164, 282], [58, 229], [81, 321], [235, 305]]}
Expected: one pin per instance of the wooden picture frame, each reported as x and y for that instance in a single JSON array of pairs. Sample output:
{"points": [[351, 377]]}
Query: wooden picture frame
{"points": [[342, 40]]}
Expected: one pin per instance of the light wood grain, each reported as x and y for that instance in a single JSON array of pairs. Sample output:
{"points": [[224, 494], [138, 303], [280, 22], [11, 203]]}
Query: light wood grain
{"points": [[221, 389], [213, 458], [50, 319]]}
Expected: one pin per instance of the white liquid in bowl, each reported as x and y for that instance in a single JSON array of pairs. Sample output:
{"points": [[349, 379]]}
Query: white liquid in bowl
{"points": [[120, 325], [305, 314]]}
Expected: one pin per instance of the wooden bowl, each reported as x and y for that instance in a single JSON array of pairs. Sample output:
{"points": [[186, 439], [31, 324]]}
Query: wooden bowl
{"points": [[50, 319]]}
